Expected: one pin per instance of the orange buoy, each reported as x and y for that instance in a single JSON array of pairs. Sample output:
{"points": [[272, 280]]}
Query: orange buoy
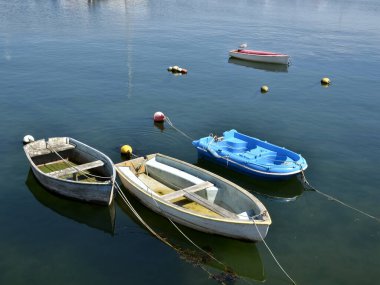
{"points": [[159, 117]]}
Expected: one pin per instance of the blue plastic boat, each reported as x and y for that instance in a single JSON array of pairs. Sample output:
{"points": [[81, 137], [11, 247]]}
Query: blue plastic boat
{"points": [[250, 155]]}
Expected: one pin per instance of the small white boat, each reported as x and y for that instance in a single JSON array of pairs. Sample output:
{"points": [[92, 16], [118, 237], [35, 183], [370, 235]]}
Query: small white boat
{"points": [[260, 56], [73, 169], [194, 197]]}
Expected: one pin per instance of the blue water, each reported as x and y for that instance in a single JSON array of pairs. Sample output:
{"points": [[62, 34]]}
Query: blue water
{"points": [[96, 71]]}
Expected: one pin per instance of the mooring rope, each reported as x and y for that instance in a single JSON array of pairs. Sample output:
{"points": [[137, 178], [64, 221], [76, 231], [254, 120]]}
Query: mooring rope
{"points": [[272, 254], [179, 230], [128, 203], [178, 130], [310, 187]]}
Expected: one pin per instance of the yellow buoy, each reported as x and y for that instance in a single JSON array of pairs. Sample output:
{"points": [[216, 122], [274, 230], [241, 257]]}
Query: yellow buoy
{"points": [[126, 149], [325, 81], [264, 89]]}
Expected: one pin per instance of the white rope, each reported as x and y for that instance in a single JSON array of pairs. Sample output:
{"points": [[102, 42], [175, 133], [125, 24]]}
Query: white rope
{"points": [[274, 257], [335, 199], [126, 201], [178, 130]]}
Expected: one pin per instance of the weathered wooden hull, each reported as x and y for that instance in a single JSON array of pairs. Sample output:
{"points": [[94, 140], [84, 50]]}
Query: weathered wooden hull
{"points": [[268, 58], [91, 192], [252, 230]]}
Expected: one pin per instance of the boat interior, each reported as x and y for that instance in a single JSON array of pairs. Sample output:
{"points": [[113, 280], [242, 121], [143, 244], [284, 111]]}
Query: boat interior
{"points": [[59, 158], [188, 187], [260, 152]]}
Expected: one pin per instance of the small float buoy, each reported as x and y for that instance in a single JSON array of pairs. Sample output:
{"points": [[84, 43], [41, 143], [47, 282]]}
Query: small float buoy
{"points": [[264, 89], [325, 81], [176, 70], [28, 139], [126, 149], [159, 117]]}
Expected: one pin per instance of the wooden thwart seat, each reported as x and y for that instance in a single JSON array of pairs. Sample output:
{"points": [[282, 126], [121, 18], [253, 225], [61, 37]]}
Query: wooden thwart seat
{"points": [[191, 189], [34, 153], [77, 168], [189, 194]]}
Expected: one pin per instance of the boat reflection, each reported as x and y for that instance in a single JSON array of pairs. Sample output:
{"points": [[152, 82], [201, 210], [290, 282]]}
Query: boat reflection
{"points": [[284, 190], [259, 65], [94, 216], [240, 257], [160, 126]]}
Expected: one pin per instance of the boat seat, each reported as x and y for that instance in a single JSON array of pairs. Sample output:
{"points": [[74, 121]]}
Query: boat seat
{"points": [[76, 168], [211, 206], [58, 148], [155, 185], [189, 194], [191, 189]]}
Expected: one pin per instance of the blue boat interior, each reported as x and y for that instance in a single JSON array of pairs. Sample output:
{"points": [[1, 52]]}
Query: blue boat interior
{"points": [[250, 150]]}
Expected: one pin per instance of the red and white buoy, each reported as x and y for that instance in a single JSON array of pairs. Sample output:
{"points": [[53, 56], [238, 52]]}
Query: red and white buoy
{"points": [[159, 117]]}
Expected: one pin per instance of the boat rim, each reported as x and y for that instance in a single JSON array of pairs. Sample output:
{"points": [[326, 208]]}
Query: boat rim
{"points": [[235, 51]]}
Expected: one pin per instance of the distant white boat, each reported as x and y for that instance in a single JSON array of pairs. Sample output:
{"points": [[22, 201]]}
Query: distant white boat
{"points": [[260, 56], [194, 197]]}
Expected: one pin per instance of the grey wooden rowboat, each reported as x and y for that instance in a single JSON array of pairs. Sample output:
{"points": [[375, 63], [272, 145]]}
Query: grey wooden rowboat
{"points": [[195, 197], [73, 169]]}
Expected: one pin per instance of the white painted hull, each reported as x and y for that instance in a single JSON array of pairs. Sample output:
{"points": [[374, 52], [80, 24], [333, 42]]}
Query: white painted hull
{"points": [[275, 58], [234, 228]]}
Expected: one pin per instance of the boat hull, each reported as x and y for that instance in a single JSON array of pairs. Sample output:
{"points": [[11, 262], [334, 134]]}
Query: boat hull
{"points": [[268, 57], [98, 193], [251, 156], [239, 229]]}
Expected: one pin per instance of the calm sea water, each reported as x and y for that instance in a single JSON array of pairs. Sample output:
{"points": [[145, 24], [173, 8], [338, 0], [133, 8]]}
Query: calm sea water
{"points": [[96, 71]]}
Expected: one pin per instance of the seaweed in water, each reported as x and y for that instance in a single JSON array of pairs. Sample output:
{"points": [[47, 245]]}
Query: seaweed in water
{"points": [[226, 277], [193, 256]]}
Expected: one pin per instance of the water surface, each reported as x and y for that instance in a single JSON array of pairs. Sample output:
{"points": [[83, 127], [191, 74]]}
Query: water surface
{"points": [[96, 71]]}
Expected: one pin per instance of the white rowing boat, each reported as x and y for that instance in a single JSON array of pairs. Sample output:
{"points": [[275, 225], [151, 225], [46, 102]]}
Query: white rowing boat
{"points": [[194, 197], [73, 169], [260, 56]]}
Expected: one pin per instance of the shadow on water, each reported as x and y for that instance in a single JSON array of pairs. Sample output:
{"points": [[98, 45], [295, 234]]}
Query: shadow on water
{"points": [[159, 126], [271, 67], [240, 259], [94, 216], [283, 190]]}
